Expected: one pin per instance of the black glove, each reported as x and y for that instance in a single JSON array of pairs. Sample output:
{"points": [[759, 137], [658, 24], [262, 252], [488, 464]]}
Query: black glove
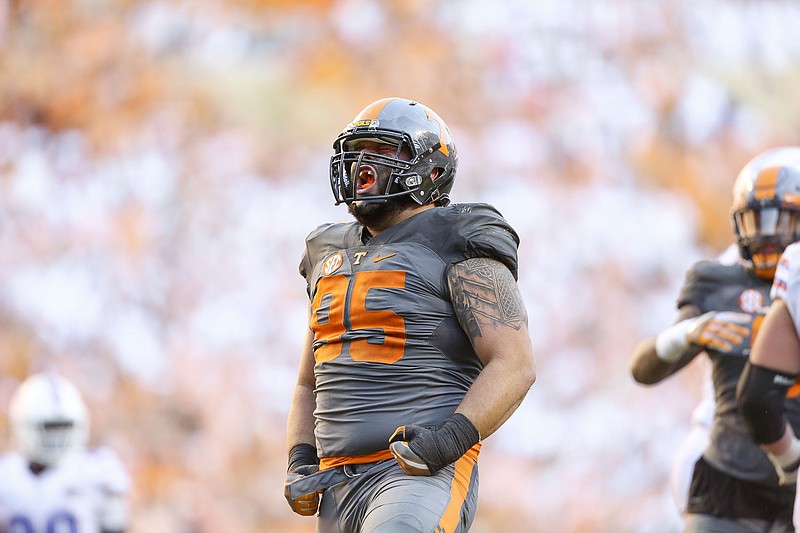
{"points": [[303, 461], [423, 452]]}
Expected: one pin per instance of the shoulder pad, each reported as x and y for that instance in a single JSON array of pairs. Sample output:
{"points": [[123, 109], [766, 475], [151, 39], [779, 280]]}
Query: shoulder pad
{"points": [[327, 237], [486, 233], [704, 278]]}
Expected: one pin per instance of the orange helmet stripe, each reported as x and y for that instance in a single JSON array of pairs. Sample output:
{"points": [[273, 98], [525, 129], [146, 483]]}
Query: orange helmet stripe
{"points": [[766, 182], [442, 130], [372, 111]]}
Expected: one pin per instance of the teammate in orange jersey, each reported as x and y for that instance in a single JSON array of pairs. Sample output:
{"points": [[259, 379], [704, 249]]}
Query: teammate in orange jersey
{"points": [[418, 345], [734, 487]]}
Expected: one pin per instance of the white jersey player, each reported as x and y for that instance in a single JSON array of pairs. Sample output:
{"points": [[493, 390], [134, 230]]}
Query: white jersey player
{"points": [[786, 287], [787, 281], [53, 483]]}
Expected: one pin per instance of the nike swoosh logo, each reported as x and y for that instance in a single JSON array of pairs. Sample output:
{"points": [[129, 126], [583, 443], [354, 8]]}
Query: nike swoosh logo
{"points": [[379, 258]]}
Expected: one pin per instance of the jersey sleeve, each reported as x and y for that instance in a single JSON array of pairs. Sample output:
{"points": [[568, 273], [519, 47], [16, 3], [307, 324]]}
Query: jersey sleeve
{"points": [[786, 285], [697, 284], [308, 258], [487, 234], [322, 241]]}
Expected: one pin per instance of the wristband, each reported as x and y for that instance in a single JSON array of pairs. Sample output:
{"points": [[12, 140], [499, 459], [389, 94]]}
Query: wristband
{"points": [[462, 430], [672, 342], [451, 441], [302, 455]]}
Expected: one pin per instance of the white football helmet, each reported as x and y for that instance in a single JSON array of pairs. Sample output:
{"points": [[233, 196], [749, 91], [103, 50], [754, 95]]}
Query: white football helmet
{"points": [[48, 418]]}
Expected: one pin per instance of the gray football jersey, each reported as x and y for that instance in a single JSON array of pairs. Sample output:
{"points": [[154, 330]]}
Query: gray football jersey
{"points": [[388, 348], [712, 286]]}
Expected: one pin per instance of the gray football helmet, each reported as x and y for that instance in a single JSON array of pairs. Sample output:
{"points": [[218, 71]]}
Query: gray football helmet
{"points": [[404, 124]]}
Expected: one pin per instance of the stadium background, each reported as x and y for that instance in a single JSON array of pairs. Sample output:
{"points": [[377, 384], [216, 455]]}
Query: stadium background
{"points": [[161, 162]]}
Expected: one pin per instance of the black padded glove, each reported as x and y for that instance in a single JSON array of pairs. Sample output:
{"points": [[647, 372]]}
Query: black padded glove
{"points": [[422, 451]]}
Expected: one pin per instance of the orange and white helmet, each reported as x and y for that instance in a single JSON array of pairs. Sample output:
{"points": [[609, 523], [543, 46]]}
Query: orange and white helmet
{"points": [[766, 208], [48, 418]]}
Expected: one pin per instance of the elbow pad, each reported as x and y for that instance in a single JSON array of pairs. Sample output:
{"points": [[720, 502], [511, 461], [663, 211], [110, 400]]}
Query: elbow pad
{"points": [[760, 396]]}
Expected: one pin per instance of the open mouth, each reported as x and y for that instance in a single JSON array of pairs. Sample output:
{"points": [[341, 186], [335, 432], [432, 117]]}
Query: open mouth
{"points": [[367, 180]]}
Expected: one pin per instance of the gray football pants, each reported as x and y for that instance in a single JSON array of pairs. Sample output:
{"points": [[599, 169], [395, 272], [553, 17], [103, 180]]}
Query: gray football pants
{"points": [[381, 498]]}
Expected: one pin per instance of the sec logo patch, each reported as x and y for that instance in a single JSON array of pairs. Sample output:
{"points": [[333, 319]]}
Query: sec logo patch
{"points": [[751, 301], [332, 264]]}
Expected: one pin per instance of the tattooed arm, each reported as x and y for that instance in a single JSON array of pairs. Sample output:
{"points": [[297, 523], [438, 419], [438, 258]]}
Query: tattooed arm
{"points": [[489, 307]]}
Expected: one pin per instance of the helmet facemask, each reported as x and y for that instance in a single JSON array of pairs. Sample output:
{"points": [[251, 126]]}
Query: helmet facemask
{"points": [[49, 419], [763, 232], [47, 442], [356, 170]]}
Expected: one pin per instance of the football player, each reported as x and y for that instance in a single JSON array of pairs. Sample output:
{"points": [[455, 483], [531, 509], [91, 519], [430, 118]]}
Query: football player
{"points": [[770, 379], [734, 486], [417, 346], [53, 482]]}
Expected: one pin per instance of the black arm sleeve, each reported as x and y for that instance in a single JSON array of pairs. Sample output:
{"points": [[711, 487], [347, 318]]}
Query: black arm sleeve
{"points": [[760, 396]]}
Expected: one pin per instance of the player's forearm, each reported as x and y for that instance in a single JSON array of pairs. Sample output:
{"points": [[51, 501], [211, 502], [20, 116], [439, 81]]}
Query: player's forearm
{"points": [[498, 391], [648, 368], [777, 345], [300, 425]]}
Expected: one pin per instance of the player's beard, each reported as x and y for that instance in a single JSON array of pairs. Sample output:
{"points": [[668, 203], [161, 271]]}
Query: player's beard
{"points": [[377, 213]]}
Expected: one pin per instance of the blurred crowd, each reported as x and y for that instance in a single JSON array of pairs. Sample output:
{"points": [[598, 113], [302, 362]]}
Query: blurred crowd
{"points": [[162, 161]]}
